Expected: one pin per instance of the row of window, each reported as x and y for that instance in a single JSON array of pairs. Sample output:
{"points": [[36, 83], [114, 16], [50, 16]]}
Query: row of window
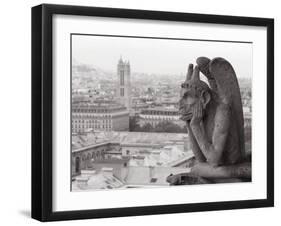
{"points": [[93, 155], [91, 126], [91, 116], [160, 118], [91, 121], [159, 113], [89, 110], [82, 125]]}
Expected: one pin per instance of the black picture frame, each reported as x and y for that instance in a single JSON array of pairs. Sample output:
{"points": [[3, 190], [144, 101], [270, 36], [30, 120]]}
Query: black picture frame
{"points": [[42, 107]]}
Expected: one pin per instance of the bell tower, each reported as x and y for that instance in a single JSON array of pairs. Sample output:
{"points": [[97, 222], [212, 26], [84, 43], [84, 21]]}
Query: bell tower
{"points": [[124, 83]]}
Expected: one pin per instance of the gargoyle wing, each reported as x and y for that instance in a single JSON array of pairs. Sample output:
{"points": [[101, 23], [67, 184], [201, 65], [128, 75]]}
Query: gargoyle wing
{"points": [[229, 92]]}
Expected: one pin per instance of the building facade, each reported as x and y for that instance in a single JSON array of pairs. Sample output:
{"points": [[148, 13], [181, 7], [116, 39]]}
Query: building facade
{"points": [[102, 117], [85, 158], [154, 116], [124, 83]]}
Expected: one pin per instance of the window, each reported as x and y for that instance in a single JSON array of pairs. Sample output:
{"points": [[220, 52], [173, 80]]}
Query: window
{"points": [[122, 78], [77, 164], [122, 92], [153, 180]]}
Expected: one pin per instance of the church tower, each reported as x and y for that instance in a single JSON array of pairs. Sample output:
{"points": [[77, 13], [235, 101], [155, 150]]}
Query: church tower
{"points": [[124, 83]]}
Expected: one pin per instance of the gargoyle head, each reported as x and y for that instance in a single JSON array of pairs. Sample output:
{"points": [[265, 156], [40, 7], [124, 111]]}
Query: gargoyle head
{"points": [[195, 94]]}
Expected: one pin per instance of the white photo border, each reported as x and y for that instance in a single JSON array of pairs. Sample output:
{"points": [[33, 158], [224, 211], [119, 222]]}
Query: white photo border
{"points": [[64, 199]]}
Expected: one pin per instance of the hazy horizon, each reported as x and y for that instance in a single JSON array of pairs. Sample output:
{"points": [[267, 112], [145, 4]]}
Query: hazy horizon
{"points": [[157, 56]]}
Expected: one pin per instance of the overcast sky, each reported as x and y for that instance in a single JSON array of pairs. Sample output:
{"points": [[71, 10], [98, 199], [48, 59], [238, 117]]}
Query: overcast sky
{"points": [[158, 55]]}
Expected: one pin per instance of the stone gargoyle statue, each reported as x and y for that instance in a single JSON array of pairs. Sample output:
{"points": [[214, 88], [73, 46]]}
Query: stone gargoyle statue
{"points": [[214, 119]]}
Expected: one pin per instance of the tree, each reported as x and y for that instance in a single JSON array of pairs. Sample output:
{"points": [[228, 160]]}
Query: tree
{"points": [[147, 128], [133, 124], [168, 127]]}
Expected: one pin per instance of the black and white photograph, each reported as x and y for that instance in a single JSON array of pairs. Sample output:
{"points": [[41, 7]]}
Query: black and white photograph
{"points": [[141, 112], [149, 112]]}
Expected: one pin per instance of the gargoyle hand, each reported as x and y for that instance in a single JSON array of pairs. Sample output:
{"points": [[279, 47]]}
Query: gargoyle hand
{"points": [[197, 114]]}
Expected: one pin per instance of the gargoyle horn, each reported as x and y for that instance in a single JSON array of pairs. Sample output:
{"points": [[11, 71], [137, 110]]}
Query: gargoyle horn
{"points": [[195, 75], [189, 72]]}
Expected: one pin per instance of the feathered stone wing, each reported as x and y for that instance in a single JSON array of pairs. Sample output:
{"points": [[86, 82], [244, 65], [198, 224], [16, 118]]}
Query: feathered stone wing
{"points": [[229, 92]]}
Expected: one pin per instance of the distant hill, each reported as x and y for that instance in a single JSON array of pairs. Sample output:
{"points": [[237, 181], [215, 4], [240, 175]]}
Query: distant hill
{"points": [[84, 75]]}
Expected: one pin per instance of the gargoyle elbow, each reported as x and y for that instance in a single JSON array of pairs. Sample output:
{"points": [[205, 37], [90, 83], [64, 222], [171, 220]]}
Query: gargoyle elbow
{"points": [[213, 160]]}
